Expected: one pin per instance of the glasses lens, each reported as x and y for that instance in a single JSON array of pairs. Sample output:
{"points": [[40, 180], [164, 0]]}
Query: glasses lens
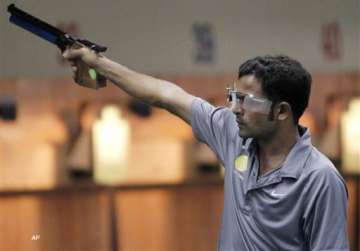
{"points": [[255, 104]]}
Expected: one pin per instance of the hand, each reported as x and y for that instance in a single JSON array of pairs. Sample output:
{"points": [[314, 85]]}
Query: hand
{"points": [[83, 62], [75, 53]]}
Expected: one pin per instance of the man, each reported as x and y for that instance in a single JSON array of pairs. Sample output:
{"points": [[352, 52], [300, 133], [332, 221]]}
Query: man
{"points": [[280, 192]]}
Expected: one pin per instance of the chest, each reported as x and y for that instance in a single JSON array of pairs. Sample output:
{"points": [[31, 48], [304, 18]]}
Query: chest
{"points": [[272, 202]]}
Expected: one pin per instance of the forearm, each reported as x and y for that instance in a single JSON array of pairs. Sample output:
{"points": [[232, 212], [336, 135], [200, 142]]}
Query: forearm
{"points": [[149, 89], [153, 91]]}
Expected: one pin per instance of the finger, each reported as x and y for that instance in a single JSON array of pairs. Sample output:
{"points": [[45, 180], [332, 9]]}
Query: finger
{"points": [[70, 53]]}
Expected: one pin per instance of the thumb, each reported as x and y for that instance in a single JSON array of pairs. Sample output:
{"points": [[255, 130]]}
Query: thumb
{"points": [[71, 53]]}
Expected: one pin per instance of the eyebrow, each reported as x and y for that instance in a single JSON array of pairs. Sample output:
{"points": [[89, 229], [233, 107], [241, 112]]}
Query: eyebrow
{"points": [[242, 94]]}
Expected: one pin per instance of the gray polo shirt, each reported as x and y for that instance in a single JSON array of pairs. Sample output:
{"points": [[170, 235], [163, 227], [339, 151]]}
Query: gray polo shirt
{"points": [[302, 205]]}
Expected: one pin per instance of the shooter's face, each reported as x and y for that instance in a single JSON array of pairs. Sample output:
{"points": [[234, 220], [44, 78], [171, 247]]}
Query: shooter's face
{"points": [[252, 124]]}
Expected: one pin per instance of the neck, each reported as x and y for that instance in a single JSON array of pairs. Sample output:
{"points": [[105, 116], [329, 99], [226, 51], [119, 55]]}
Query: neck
{"points": [[274, 149]]}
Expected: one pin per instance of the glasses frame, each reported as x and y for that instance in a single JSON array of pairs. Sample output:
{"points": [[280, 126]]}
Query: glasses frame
{"points": [[248, 101]]}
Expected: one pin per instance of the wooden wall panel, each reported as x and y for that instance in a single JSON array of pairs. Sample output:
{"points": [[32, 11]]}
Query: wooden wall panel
{"points": [[175, 218], [166, 218], [63, 221], [19, 221], [353, 212], [183, 218], [144, 220], [197, 217]]}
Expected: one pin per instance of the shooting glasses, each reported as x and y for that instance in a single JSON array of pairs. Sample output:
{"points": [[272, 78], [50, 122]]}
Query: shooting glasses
{"points": [[248, 102]]}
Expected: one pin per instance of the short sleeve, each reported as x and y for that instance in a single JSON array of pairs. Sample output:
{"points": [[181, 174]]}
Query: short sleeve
{"points": [[214, 126], [326, 213]]}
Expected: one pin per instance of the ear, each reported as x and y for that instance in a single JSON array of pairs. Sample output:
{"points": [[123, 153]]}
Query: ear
{"points": [[283, 111]]}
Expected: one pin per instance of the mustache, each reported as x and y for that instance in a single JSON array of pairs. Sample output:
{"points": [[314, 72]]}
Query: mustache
{"points": [[240, 121]]}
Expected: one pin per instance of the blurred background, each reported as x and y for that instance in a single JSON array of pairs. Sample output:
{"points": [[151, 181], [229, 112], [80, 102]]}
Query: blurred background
{"points": [[84, 169]]}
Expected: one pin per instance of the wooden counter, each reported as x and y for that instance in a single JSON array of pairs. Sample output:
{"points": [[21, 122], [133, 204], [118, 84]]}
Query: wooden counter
{"points": [[184, 216]]}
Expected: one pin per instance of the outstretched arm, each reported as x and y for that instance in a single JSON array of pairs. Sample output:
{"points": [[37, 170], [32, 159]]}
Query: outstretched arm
{"points": [[151, 90]]}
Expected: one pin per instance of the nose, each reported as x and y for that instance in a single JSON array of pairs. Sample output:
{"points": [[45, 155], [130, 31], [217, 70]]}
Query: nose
{"points": [[237, 109]]}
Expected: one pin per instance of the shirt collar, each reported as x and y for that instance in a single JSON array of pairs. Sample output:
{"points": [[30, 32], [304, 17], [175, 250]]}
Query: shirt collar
{"points": [[297, 157]]}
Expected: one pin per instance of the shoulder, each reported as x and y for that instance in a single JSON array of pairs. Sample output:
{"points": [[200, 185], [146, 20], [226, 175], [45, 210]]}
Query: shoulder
{"points": [[321, 173], [214, 125], [203, 109]]}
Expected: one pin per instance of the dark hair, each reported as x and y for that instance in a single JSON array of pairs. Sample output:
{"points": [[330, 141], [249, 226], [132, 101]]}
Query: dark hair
{"points": [[282, 79]]}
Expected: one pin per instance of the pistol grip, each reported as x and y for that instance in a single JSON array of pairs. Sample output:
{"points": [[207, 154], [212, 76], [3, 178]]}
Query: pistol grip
{"points": [[86, 76]]}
